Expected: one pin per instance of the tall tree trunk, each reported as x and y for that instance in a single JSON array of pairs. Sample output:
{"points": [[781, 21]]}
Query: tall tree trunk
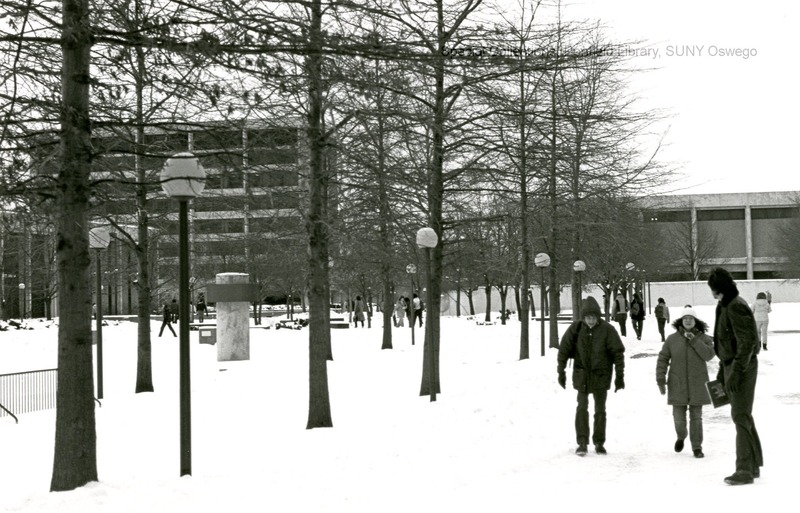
{"points": [[524, 333], [144, 355], [383, 219], [487, 290], [435, 199], [75, 457], [319, 405], [554, 221]]}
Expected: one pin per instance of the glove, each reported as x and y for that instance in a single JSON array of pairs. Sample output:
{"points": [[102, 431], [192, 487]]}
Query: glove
{"points": [[562, 380], [662, 389], [619, 384], [734, 384]]}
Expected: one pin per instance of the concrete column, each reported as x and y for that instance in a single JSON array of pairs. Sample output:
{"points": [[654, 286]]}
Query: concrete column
{"points": [[233, 322], [748, 240]]}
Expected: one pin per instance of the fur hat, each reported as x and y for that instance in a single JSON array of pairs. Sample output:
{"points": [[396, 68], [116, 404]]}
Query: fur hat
{"points": [[699, 325], [589, 306]]}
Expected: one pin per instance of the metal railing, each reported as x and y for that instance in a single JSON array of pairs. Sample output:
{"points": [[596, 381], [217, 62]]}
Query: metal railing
{"points": [[23, 392]]}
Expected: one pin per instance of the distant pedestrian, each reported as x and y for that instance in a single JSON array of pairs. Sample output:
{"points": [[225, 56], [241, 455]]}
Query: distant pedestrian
{"points": [[173, 310], [201, 308], [761, 310], [167, 322], [681, 369], [417, 306], [399, 312], [94, 310], [769, 297], [662, 316], [736, 345], [358, 312], [637, 315], [596, 349], [620, 313]]}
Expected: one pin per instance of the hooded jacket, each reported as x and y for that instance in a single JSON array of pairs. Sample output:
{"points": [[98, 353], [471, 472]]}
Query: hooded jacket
{"points": [[761, 310], [596, 351], [685, 355]]}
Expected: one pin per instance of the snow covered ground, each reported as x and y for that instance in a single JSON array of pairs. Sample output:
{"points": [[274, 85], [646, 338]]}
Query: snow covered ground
{"points": [[500, 437]]}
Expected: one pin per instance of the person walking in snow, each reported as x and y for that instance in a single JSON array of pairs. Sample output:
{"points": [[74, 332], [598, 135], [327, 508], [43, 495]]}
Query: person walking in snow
{"points": [[417, 306], [167, 322], [358, 312], [736, 345], [620, 313], [662, 316], [399, 312], [637, 314], [596, 349], [201, 308], [761, 310], [681, 374]]}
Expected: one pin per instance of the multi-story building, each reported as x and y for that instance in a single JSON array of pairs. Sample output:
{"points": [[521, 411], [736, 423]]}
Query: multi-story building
{"points": [[247, 218], [741, 232]]}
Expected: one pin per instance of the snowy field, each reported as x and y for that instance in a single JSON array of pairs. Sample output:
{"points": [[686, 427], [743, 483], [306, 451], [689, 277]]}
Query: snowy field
{"points": [[500, 437]]}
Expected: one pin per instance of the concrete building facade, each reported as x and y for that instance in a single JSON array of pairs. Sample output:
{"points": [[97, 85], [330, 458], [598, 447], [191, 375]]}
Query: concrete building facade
{"points": [[741, 232]]}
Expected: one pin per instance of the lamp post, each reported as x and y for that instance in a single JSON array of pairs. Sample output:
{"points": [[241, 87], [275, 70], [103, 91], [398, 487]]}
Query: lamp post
{"points": [[22, 301], [99, 239], [411, 269], [579, 266], [542, 260], [458, 292], [183, 178], [427, 239]]}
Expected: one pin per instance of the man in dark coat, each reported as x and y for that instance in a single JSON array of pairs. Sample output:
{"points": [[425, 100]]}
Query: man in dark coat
{"points": [[637, 315], [596, 348], [173, 309], [736, 344]]}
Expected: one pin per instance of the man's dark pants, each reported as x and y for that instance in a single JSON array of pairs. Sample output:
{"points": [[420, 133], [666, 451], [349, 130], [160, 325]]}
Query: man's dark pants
{"points": [[637, 326], [748, 445], [582, 418]]}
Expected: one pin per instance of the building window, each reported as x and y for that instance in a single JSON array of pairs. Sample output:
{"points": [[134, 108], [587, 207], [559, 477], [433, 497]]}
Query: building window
{"points": [[721, 215], [219, 225], [774, 213], [271, 137], [225, 179], [668, 216], [268, 178], [266, 156], [217, 139]]}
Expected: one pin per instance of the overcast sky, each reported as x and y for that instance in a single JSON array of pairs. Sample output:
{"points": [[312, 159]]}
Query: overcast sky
{"points": [[733, 116]]}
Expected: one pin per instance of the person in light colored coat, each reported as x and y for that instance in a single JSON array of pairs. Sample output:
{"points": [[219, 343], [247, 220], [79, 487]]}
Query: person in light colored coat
{"points": [[681, 374], [761, 310]]}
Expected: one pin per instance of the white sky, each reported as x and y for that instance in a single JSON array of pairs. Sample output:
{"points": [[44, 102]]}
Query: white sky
{"points": [[733, 125], [499, 438]]}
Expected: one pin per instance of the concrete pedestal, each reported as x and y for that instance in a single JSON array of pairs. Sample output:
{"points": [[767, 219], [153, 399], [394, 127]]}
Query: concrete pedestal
{"points": [[233, 322]]}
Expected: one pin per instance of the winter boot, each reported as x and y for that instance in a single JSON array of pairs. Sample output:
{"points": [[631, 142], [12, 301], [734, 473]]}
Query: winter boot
{"points": [[581, 450], [740, 477], [698, 453], [678, 445], [599, 449]]}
